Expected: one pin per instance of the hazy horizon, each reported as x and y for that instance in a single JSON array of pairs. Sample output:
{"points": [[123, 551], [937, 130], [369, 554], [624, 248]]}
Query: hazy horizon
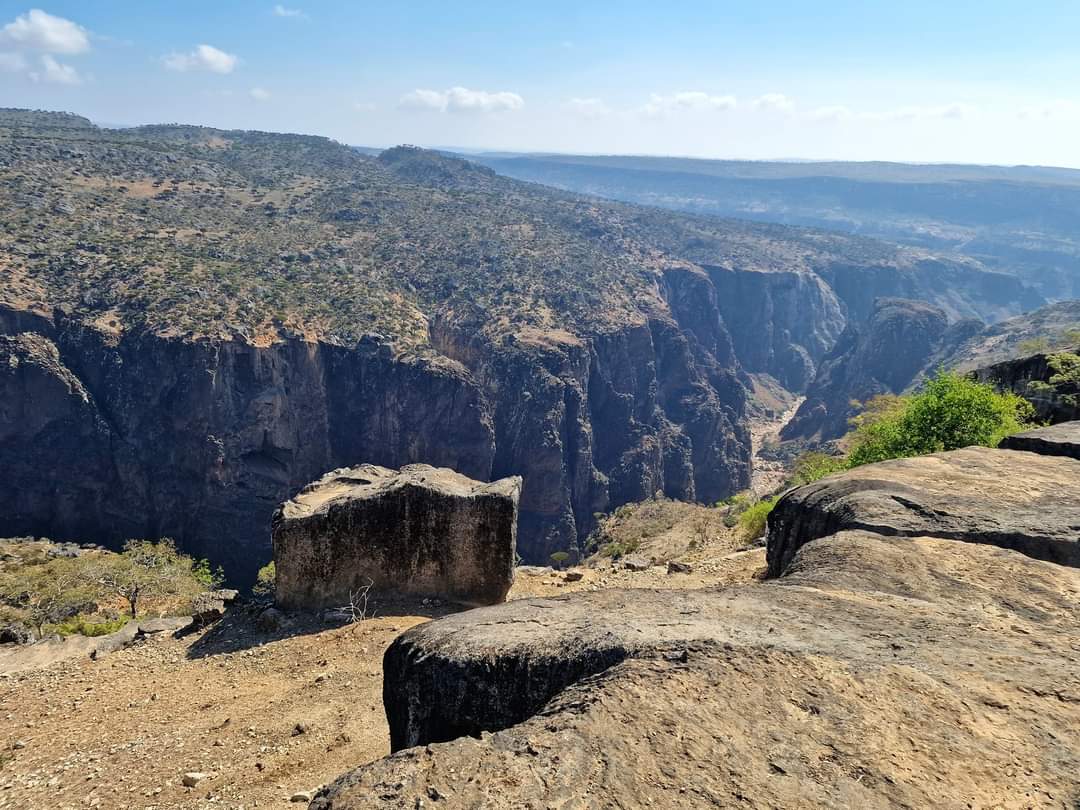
{"points": [[838, 81]]}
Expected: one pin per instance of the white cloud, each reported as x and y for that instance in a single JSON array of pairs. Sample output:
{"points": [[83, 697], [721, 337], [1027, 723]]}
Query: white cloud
{"points": [[1057, 110], [461, 99], [56, 72], [776, 102], [260, 93], [12, 62], [39, 31], [835, 112], [917, 113], [588, 107], [687, 100], [293, 13], [204, 57]]}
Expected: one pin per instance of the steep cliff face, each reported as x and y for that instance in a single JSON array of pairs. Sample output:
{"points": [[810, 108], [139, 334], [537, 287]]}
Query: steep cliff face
{"points": [[882, 356], [593, 423], [781, 323], [1057, 401], [109, 436], [904, 340]]}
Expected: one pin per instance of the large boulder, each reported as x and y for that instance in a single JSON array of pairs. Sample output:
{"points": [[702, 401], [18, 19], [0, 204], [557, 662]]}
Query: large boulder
{"points": [[1056, 440], [877, 672], [1022, 501], [421, 530], [932, 662]]}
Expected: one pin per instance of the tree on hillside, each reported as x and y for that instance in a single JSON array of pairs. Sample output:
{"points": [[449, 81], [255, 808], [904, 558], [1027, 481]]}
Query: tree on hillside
{"points": [[153, 569], [49, 593]]}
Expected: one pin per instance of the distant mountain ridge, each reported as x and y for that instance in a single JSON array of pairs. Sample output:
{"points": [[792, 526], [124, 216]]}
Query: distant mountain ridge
{"points": [[1024, 220]]}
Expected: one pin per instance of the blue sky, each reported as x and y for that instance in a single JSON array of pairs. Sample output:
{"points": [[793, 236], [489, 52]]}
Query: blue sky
{"points": [[995, 82]]}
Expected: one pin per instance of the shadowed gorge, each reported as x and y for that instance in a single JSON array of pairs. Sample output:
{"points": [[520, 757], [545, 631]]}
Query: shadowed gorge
{"points": [[220, 317]]}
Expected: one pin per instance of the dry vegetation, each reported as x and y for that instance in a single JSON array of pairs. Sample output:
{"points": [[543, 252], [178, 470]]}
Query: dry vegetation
{"points": [[194, 231]]}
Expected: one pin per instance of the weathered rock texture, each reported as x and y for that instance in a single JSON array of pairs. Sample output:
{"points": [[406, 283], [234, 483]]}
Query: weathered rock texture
{"points": [[1056, 440], [884, 355], [1021, 501], [878, 672], [903, 341], [420, 530], [1053, 403]]}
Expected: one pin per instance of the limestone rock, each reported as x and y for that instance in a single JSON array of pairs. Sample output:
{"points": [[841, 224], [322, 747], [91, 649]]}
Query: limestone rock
{"points": [[866, 676], [1057, 440], [210, 606], [1021, 501], [421, 530]]}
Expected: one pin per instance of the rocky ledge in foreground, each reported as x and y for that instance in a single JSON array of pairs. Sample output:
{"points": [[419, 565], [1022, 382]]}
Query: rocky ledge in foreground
{"points": [[421, 530], [876, 671], [1056, 440], [1022, 501]]}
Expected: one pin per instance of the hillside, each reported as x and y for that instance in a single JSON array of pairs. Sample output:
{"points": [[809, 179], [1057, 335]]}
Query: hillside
{"points": [[195, 323], [1018, 219], [905, 341]]}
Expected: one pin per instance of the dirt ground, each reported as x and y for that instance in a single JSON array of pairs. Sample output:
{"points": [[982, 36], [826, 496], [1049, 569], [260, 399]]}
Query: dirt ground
{"points": [[265, 716]]}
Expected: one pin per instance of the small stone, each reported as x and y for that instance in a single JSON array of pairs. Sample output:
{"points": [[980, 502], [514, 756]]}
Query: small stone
{"points": [[301, 796], [573, 576], [18, 745], [300, 728], [271, 619], [192, 778], [675, 567], [635, 563]]}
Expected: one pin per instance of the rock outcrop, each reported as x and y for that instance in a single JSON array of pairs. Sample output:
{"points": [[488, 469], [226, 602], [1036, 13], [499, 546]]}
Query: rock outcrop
{"points": [[1030, 376], [421, 530], [878, 669], [903, 341], [777, 693], [200, 440], [1021, 501], [1056, 440], [884, 355]]}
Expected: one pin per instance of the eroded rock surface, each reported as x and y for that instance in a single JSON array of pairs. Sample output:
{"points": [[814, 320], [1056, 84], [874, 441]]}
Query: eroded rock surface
{"points": [[878, 672], [933, 662], [1021, 501], [421, 530], [1056, 440]]}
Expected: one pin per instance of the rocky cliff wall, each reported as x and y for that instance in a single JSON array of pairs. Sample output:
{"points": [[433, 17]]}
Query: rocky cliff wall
{"points": [[109, 436], [105, 437]]}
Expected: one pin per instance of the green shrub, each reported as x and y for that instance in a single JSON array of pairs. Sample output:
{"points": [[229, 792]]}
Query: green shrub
{"points": [[620, 548], [265, 580], [81, 626], [1034, 345], [950, 412], [813, 465], [152, 569], [753, 518], [560, 557]]}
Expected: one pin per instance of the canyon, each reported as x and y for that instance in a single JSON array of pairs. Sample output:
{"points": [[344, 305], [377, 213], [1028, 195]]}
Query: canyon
{"points": [[302, 307]]}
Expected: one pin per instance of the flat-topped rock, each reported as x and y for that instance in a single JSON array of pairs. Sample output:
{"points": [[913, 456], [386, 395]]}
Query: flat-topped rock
{"points": [[1021, 501], [418, 530], [877, 672], [1057, 440]]}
